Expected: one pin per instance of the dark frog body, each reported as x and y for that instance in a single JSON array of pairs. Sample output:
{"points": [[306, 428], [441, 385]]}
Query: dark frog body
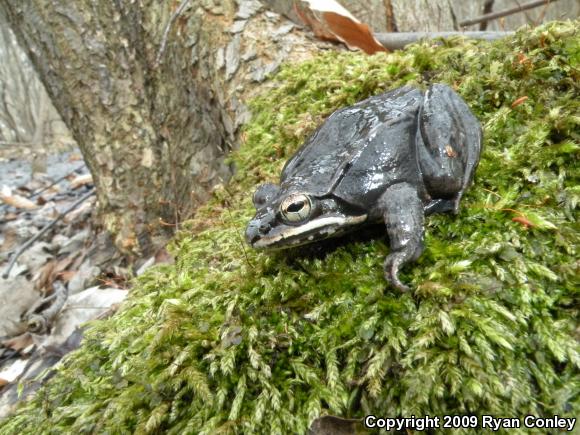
{"points": [[395, 157]]}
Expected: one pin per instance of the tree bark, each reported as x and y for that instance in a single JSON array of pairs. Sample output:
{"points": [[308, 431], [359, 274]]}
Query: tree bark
{"points": [[154, 93]]}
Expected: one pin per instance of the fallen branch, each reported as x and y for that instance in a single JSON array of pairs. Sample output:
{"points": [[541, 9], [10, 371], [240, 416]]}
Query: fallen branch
{"points": [[47, 227], [397, 41], [506, 12], [39, 322]]}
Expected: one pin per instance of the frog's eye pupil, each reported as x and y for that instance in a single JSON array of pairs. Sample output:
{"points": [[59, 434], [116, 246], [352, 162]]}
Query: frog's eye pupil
{"points": [[295, 207]]}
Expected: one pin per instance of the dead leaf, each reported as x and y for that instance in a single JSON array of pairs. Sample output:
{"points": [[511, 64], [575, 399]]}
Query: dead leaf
{"points": [[10, 239], [524, 221], [81, 180], [450, 151], [10, 217], [63, 264], [162, 256], [519, 101], [333, 425], [19, 342], [43, 277], [331, 21], [53, 270], [80, 308], [67, 275], [16, 201], [73, 215]]}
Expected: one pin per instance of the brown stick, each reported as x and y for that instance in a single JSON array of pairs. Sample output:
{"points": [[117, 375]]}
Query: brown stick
{"points": [[390, 15], [506, 12], [397, 41], [487, 8]]}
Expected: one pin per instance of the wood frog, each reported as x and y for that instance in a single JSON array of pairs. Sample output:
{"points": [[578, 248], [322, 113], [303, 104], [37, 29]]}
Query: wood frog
{"points": [[394, 157]]}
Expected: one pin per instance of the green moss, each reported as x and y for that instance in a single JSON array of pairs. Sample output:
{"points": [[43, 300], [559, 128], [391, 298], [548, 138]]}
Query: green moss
{"points": [[230, 340]]}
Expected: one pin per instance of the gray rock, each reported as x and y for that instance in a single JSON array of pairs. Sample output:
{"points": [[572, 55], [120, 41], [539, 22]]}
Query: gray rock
{"points": [[84, 277], [17, 295], [74, 244], [36, 256]]}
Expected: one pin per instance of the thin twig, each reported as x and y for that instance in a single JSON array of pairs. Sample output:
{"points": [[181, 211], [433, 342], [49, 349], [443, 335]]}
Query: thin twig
{"points": [[397, 41], [506, 12], [3, 142], [390, 16], [176, 14], [58, 180], [487, 9], [453, 16], [47, 227], [38, 192]]}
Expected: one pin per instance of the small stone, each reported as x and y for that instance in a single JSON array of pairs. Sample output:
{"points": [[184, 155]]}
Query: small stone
{"points": [[74, 244], [36, 256], [83, 278]]}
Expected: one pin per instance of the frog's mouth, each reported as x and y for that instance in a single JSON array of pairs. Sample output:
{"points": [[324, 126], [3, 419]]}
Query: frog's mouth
{"points": [[316, 229]]}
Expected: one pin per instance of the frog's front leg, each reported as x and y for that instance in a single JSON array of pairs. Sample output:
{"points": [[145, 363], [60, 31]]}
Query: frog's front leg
{"points": [[403, 215]]}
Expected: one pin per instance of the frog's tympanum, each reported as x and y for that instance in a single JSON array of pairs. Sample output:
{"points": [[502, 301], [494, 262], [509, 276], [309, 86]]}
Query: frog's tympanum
{"points": [[394, 157]]}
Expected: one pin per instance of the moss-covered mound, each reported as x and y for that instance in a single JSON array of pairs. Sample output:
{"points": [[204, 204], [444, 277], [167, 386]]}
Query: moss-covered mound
{"points": [[230, 340]]}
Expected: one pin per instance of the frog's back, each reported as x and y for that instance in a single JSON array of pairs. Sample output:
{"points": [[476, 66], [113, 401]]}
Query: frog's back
{"points": [[360, 150]]}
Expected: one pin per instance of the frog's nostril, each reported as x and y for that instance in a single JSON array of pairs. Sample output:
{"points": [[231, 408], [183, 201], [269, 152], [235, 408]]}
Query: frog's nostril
{"points": [[251, 233], [265, 227]]}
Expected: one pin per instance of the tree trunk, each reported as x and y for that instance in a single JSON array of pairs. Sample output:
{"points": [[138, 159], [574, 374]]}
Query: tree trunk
{"points": [[444, 15], [154, 93]]}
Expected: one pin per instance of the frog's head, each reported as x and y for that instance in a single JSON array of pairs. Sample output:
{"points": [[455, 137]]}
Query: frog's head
{"points": [[291, 218]]}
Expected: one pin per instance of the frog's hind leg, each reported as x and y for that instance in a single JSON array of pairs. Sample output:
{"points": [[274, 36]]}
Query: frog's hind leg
{"points": [[448, 146], [403, 214]]}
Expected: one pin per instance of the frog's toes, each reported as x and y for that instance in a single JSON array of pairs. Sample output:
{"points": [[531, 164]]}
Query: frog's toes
{"points": [[392, 264]]}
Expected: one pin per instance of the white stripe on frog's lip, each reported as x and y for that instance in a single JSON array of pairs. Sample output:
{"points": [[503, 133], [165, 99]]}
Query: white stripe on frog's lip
{"points": [[291, 232]]}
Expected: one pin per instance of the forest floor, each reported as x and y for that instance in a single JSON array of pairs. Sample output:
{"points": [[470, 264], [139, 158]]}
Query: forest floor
{"points": [[56, 284]]}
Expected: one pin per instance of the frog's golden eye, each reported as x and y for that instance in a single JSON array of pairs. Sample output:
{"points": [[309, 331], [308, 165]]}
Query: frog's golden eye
{"points": [[296, 208]]}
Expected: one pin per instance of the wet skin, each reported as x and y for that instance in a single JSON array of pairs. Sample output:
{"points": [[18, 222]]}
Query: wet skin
{"points": [[395, 157]]}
